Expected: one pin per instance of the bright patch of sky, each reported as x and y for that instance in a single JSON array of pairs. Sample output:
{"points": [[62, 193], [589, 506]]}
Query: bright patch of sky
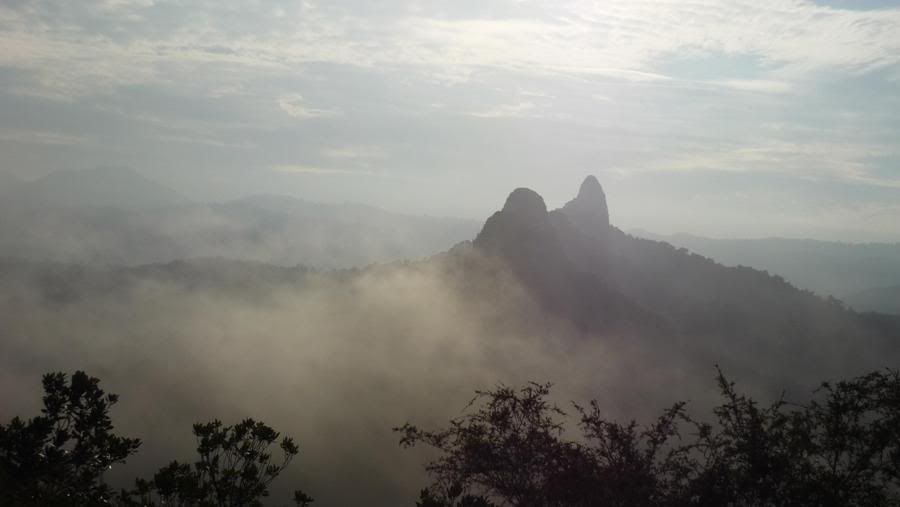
{"points": [[730, 118], [859, 4]]}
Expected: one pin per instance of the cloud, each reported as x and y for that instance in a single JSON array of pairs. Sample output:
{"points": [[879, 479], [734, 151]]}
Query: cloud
{"points": [[633, 85], [625, 38], [206, 141], [516, 110], [848, 161], [325, 171], [756, 85], [41, 137], [295, 105], [356, 152]]}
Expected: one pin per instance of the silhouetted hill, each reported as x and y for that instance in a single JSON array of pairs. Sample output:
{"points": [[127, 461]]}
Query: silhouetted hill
{"points": [[824, 267], [882, 300], [272, 229], [58, 283], [522, 233], [588, 211], [552, 253], [110, 187], [594, 274]]}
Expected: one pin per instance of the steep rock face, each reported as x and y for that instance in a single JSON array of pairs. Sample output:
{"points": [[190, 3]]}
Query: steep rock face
{"points": [[521, 226], [588, 211], [583, 226], [522, 234], [560, 264]]}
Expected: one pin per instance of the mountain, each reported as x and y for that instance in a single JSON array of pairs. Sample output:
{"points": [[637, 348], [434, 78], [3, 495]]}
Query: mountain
{"points": [[559, 256], [342, 356], [566, 274], [593, 274], [882, 300], [824, 267], [272, 229], [110, 187], [287, 231], [588, 211]]}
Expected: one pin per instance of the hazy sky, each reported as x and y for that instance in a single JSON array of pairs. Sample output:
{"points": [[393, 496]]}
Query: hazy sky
{"points": [[732, 118]]}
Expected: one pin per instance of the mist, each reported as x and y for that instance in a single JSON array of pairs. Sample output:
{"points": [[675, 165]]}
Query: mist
{"points": [[334, 360], [339, 217], [337, 359], [116, 216]]}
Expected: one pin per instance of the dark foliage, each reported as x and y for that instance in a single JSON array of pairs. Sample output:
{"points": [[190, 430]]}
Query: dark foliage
{"points": [[235, 469], [842, 448], [60, 456]]}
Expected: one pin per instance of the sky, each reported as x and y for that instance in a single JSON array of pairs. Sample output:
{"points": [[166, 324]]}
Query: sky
{"points": [[722, 118]]}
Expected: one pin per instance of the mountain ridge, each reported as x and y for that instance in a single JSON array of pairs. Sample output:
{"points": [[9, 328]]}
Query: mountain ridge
{"points": [[100, 187], [838, 269], [595, 280]]}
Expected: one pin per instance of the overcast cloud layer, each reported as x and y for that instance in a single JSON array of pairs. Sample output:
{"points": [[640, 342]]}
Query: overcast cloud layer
{"points": [[731, 118]]}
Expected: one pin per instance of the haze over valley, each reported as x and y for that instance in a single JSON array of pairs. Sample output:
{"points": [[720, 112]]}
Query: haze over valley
{"points": [[506, 253], [536, 294]]}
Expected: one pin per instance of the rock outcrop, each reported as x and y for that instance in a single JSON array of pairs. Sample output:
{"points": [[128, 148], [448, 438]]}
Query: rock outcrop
{"points": [[588, 211], [522, 234], [561, 255], [522, 225]]}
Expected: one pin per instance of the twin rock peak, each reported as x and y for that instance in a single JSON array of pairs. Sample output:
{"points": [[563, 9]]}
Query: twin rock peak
{"points": [[524, 226]]}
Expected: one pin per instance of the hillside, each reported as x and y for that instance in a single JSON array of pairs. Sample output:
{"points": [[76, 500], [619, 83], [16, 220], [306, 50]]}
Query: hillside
{"points": [[598, 276], [824, 267], [882, 300]]}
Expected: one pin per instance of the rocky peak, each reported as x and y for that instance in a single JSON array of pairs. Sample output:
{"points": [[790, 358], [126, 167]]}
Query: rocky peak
{"points": [[561, 256], [588, 211], [590, 202], [522, 223], [591, 191], [526, 204]]}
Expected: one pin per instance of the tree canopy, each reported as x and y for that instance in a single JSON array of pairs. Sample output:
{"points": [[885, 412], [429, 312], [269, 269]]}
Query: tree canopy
{"points": [[511, 448], [59, 458], [841, 448]]}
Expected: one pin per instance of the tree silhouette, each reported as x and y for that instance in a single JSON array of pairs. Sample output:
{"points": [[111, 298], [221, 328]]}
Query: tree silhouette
{"points": [[842, 448], [235, 469], [60, 456]]}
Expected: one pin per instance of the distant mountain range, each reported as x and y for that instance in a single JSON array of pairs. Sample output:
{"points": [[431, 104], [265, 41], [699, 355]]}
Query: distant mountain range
{"points": [[842, 270], [577, 268], [881, 300], [118, 217], [108, 187]]}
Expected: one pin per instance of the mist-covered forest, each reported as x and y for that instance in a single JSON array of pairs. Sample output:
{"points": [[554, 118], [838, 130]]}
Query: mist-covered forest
{"points": [[468, 253], [863, 275], [338, 358]]}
